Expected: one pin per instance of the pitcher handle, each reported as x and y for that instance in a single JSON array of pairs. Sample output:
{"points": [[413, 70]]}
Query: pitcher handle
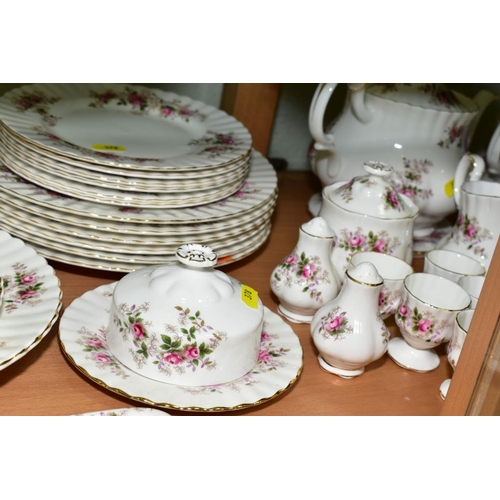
{"points": [[493, 152], [317, 114], [467, 161]]}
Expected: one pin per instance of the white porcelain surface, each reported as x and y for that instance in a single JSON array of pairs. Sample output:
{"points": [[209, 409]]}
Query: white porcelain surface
{"points": [[427, 314], [476, 230], [305, 279], [185, 323], [125, 412], [443, 388], [130, 126], [473, 286], [347, 336], [393, 271], [451, 265], [83, 339], [380, 219], [32, 299], [417, 360], [419, 129]]}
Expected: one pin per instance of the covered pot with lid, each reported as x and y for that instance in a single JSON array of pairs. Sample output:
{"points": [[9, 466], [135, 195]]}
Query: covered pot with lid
{"points": [[186, 323], [367, 214]]}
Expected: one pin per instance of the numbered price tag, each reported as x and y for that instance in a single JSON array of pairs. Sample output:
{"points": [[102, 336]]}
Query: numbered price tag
{"points": [[249, 296], [108, 147]]}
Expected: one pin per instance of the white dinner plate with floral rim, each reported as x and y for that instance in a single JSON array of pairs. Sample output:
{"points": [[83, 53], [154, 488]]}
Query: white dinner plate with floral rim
{"points": [[32, 299], [259, 186], [127, 125], [129, 234], [71, 166], [125, 412], [113, 263], [143, 255], [83, 340], [25, 221], [185, 198]]}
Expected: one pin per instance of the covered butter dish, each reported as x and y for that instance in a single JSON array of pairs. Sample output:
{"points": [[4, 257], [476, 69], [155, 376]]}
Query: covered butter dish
{"points": [[186, 323]]}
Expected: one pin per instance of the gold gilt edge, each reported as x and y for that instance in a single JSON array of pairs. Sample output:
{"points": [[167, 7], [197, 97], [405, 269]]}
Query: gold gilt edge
{"points": [[181, 408]]}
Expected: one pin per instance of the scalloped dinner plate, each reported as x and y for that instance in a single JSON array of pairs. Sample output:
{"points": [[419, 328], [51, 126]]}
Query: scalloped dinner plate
{"points": [[82, 335], [32, 299]]}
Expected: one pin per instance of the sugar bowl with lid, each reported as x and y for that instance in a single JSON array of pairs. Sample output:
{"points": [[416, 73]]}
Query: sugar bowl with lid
{"points": [[368, 214], [186, 323]]}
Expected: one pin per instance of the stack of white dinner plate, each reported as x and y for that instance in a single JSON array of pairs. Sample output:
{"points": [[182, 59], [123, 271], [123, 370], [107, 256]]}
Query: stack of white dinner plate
{"points": [[116, 176]]}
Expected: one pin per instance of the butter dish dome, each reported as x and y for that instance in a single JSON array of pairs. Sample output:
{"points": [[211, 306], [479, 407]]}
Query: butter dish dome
{"points": [[185, 323]]}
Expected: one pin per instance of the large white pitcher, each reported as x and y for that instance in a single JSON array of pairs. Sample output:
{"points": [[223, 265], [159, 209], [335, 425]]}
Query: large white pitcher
{"points": [[476, 230]]}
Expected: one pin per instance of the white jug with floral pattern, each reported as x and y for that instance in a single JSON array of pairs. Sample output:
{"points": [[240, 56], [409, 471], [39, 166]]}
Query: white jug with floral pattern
{"points": [[306, 279], [349, 332]]}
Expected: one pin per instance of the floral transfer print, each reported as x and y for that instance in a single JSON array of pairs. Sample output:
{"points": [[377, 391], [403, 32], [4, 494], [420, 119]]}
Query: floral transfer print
{"points": [[144, 101], [388, 300], [246, 190], [335, 325], [409, 181], [178, 349], [357, 241], [304, 271], [23, 288], [216, 143], [454, 134], [468, 232], [37, 102], [420, 325], [271, 358], [345, 191], [95, 344]]}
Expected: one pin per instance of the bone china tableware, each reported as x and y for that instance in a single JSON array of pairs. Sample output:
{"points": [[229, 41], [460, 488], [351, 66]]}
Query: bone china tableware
{"points": [[454, 347], [451, 265], [393, 272], [419, 129], [367, 214], [473, 286], [349, 332], [193, 343], [477, 227], [425, 319], [306, 279], [32, 299]]}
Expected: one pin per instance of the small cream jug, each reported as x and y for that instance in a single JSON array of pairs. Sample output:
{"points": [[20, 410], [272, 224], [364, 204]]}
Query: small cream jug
{"points": [[306, 279], [349, 332], [477, 227]]}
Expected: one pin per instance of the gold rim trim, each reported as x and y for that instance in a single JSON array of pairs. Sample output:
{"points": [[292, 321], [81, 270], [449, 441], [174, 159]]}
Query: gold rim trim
{"points": [[170, 406]]}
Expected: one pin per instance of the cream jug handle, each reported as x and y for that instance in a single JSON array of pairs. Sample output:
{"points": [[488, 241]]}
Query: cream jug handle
{"points": [[320, 100], [493, 152], [467, 161]]}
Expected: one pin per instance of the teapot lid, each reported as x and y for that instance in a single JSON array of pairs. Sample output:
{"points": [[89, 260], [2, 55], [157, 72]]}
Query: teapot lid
{"points": [[425, 95], [372, 194]]}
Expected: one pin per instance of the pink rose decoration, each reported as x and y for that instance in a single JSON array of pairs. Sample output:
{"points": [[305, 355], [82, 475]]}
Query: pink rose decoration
{"points": [[173, 358], [95, 343], [380, 246], [381, 299], [393, 199], [308, 270], [264, 355], [136, 100], [167, 111], [424, 325], [264, 337], [28, 279], [26, 294], [291, 259], [191, 352], [102, 358], [471, 231], [408, 192], [138, 330], [403, 310], [334, 324], [356, 241]]}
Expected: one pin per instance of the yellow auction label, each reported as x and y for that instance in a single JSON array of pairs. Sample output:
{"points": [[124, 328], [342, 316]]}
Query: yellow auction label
{"points": [[449, 188], [249, 296], [108, 147]]}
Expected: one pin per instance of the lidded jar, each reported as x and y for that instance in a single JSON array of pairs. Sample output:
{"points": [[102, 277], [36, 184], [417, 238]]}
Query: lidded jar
{"points": [[349, 332], [186, 323], [305, 279], [367, 214]]}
